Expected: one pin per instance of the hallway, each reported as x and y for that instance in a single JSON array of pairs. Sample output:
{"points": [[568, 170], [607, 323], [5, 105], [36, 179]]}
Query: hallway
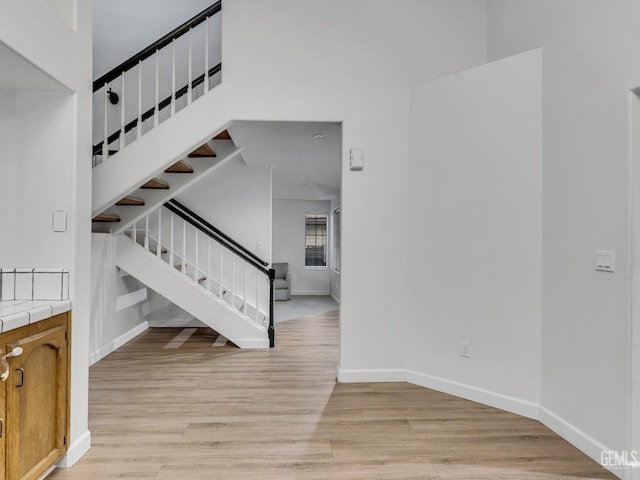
{"points": [[163, 409]]}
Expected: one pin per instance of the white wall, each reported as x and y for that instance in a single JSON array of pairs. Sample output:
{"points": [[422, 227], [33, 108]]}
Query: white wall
{"points": [[45, 133], [236, 199], [359, 74], [66, 10], [634, 333], [8, 187], [589, 65], [36, 180], [475, 246], [288, 244], [35, 31], [116, 300]]}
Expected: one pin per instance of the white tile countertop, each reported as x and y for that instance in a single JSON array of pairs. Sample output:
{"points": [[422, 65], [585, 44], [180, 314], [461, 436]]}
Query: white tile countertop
{"points": [[17, 313]]}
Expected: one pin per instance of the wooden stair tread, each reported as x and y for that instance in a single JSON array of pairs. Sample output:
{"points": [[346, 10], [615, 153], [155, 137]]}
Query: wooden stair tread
{"points": [[129, 200], [157, 184], [179, 167], [202, 151], [106, 217], [223, 135]]}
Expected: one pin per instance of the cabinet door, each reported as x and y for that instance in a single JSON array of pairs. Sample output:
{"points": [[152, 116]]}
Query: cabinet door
{"points": [[37, 400], [3, 422]]}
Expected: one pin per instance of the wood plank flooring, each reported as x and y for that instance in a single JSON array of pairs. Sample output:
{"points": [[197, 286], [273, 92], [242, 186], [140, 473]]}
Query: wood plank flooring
{"points": [[205, 412]]}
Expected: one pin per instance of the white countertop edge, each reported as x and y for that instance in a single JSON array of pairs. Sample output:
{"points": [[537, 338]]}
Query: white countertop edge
{"points": [[15, 313]]}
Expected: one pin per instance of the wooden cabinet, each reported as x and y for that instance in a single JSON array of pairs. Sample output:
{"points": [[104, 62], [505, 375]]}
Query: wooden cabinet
{"points": [[34, 401], [3, 423]]}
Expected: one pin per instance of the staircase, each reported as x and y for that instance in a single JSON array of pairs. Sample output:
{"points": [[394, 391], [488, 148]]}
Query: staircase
{"points": [[238, 316], [161, 139]]}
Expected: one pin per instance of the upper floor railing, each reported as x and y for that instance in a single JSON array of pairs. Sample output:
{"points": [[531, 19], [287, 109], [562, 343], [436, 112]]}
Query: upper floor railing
{"points": [[155, 83]]}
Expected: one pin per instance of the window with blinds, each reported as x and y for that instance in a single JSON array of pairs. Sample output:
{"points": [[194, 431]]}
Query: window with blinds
{"points": [[315, 242]]}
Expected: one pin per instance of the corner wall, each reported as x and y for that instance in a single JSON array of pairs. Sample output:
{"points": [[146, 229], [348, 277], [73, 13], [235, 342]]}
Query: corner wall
{"points": [[475, 196]]}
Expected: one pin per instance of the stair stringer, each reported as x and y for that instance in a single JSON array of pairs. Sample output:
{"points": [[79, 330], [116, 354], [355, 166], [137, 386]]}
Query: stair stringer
{"points": [[159, 148], [203, 305]]}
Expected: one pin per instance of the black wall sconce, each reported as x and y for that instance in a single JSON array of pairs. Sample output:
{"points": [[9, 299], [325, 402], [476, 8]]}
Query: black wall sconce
{"points": [[113, 97]]}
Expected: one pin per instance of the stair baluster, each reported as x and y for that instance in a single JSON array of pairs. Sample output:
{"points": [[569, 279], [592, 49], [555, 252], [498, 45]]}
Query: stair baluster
{"points": [[196, 274], [206, 57], [105, 142], [157, 97], [139, 124], [159, 246], [208, 264], [243, 272], [184, 247], [189, 85], [122, 112], [146, 232]]}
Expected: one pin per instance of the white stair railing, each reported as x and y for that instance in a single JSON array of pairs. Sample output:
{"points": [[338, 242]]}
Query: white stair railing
{"points": [[207, 263], [172, 72]]}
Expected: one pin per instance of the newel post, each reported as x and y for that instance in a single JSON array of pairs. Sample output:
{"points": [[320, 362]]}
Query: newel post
{"points": [[271, 331]]}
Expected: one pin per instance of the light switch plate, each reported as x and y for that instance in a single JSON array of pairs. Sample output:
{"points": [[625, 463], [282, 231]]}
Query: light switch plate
{"points": [[356, 159], [59, 221], [605, 260]]}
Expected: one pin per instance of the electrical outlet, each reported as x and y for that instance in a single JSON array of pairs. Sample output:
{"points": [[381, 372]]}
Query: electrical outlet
{"points": [[466, 350]]}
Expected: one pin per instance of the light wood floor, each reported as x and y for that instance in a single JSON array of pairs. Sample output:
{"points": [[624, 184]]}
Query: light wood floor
{"points": [[195, 411]]}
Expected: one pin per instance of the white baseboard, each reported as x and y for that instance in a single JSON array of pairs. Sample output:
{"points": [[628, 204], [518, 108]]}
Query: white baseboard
{"points": [[579, 439], [371, 375], [486, 397], [76, 451], [310, 292], [117, 343], [585, 443], [335, 299]]}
